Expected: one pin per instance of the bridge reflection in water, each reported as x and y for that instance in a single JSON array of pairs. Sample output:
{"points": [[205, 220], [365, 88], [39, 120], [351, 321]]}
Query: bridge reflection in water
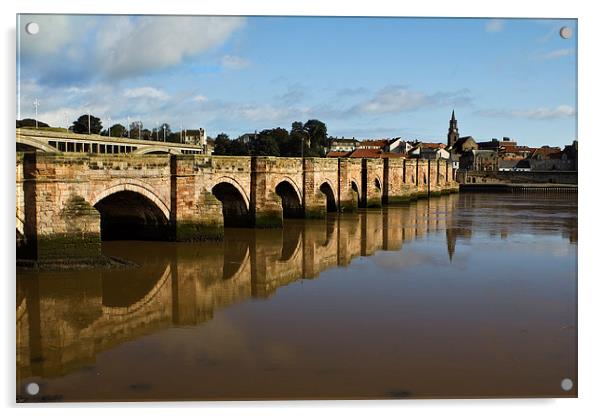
{"points": [[65, 320]]}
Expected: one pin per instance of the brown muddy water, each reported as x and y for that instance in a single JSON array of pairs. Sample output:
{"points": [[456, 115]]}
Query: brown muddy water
{"points": [[470, 295]]}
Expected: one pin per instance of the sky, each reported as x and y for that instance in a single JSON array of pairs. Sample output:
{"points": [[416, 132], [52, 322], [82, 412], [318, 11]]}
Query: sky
{"points": [[363, 77]]}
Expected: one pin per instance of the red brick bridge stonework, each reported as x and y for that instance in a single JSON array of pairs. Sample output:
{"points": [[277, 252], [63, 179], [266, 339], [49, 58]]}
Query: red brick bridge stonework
{"points": [[68, 203]]}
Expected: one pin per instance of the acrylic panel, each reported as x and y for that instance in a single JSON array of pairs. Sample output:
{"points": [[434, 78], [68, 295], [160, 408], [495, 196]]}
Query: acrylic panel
{"points": [[281, 208]]}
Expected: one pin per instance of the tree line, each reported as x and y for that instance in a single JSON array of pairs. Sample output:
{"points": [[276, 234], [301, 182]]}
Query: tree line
{"points": [[312, 135]]}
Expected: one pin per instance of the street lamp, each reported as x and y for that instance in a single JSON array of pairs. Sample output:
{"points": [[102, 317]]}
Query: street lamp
{"points": [[303, 142], [128, 127], [89, 130], [36, 103], [109, 128], [164, 132]]}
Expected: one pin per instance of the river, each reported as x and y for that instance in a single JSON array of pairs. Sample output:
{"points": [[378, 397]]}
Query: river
{"points": [[465, 295]]}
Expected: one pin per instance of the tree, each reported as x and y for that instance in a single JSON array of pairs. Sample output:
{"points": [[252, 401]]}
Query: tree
{"points": [[318, 134], [30, 122], [264, 144], [136, 130], [221, 144], [117, 130], [298, 136], [147, 134], [164, 132], [238, 148], [81, 125]]}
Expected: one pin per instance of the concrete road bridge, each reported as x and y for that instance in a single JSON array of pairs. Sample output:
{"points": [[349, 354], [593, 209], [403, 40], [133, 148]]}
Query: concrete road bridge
{"points": [[65, 142]]}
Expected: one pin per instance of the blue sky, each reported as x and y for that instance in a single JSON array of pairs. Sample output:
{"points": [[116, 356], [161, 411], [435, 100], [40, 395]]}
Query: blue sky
{"points": [[364, 77]]}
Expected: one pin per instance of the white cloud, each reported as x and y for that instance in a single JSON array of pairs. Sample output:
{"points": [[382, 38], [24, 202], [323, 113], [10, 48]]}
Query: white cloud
{"points": [[555, 54], [262, 112], [145, 92], [394, 99], [199, 98], [130, 46], [234, 62], [494, 25], [540, 113]]}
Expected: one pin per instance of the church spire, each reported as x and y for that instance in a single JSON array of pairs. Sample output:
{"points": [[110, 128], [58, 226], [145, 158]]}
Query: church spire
{"points": [[452, 134]]}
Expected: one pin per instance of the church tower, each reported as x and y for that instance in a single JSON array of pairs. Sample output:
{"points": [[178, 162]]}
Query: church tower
{"points": [[452, 133]]}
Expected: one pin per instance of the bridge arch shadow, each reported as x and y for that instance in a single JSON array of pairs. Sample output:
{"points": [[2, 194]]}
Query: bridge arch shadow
{"points": [[235, 207], [331, 203], [291, 200], [356, 191], [130, 215]]}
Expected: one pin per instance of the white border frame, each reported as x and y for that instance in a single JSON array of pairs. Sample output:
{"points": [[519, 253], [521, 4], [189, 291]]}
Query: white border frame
{"points": [[590, 288]]}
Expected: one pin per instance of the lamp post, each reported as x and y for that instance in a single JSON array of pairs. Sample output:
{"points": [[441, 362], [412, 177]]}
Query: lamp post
{"points": [[303, 143], [109, 128], [139, 130], [128, 127], [163, 132], [89, 130], [36, 103]]}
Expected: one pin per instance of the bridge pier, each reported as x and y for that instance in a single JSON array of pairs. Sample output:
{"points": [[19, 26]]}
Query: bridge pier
{"points": [[59, 222], [266, 205], [196, 214], [348, 197], [372, 183]]}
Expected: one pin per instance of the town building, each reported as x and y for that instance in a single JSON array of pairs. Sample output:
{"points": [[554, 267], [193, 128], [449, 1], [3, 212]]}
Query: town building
{"points": [[464, 144], [343, 145], [373, 144], [196, 137], [515, 164], [484, 160], [495, 144], [429, 151], [548, 158]]}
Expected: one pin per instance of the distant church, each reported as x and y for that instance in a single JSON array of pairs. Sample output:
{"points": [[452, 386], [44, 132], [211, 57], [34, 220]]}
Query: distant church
{"points": [[452, 133], [455, 143]]}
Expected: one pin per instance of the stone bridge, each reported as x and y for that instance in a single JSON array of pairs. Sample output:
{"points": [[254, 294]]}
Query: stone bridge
{"points": [[68, 202]]}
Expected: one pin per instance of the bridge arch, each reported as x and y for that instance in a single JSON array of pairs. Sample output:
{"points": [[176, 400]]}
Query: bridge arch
{"points": [[34, 144], [292, 202], [232, 181], [235, 202], [131, 212], [136, 187], [327, 189], [156, 149]]}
